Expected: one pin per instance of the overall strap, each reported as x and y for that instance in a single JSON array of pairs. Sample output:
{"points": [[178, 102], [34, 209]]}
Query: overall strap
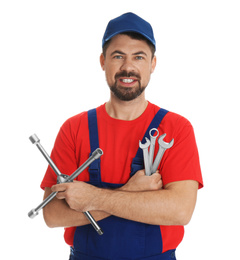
{"points": [[94, 168], [137, 163]]}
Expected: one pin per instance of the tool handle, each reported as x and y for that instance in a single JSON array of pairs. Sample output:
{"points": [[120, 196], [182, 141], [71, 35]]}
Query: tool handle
{"points": [[93, 222], [95, 155], [34, 212], [35, 140]]}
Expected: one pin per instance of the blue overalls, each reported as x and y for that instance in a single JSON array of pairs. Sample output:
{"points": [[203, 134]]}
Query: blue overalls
{"points": [[122, 239]]}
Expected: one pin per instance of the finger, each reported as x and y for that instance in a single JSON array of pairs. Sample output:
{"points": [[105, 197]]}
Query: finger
{"points": [[157, 176], [140, 172], [157, 172], [58, 187], [61, 195]]}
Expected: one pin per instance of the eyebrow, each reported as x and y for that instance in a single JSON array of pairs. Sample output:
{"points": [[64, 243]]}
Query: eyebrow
{"points": [[118, 52], [122, 53], [140, 53]]}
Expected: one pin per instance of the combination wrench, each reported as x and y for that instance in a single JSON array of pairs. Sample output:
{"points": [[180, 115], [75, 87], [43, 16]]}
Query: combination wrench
{"points": [[144, 147], [150, 166], [152, 145], [62, 178], [163, 146]]}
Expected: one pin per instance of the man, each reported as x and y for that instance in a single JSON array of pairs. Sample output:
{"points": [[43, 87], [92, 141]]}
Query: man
{"points": [[142, 216]]}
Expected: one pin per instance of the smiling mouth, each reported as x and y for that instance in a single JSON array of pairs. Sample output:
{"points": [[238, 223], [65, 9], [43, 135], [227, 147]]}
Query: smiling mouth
{"points": [[127, 80]]}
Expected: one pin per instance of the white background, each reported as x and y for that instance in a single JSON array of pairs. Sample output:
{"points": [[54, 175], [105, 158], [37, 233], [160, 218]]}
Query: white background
{"points": [[49, 71]]}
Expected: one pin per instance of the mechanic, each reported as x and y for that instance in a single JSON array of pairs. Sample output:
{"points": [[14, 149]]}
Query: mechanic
{"points": [[142, 217]]}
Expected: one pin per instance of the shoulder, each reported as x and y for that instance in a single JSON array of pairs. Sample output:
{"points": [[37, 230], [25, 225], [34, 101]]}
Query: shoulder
{"points": [[177, 126], [175, 120], [76, 125], [172, 120], [174, 125], [78, 120], [72, 125]]}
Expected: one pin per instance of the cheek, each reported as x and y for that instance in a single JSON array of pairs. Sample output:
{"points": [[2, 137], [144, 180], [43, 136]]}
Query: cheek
{"points": [[146, 73], [110, 77], [110, 72]]}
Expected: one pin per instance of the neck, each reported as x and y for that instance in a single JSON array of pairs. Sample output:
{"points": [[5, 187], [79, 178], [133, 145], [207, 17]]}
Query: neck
{"points": [[126, 110]]}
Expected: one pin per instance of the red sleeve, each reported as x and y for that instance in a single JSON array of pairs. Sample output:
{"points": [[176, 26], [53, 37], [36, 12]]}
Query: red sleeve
{"points": [[63, 155], [181, 161]]}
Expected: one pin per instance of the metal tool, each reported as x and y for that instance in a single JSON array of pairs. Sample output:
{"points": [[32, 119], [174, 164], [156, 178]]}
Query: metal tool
{"points": [[163, 146], [65, 178], [144, 147], [152, 145], [60, 177], [150, 166]]}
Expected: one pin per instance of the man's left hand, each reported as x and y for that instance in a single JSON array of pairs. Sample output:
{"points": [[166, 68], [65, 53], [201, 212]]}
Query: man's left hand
{"points": [[79, 195]]}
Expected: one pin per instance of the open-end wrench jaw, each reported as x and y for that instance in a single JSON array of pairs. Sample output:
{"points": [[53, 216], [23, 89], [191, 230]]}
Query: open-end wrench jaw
{"points": [[145, 145], [164, 144]]}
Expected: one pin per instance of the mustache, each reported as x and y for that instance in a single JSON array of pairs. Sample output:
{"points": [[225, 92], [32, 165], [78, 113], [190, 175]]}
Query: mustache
{"points": [[127, 75]]}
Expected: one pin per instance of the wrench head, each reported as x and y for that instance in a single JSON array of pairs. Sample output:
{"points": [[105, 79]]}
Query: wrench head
{"points": [[153, 136], [34, 139], [146, 145], [33, 213], [164, 144]]}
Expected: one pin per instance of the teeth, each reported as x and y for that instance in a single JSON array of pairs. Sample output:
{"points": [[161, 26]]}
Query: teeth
{"points": [[127, 80]]}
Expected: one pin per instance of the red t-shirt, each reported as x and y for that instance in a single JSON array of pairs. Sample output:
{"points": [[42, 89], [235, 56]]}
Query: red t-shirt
{"points": [[119, 141]]}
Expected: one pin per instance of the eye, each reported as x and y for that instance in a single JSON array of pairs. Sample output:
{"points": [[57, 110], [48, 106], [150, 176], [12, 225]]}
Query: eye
{"points": [[118, 57], [139, 57]]}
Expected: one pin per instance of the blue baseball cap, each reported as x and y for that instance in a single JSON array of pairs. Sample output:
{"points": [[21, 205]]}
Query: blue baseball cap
{"points": [[128, 22]]}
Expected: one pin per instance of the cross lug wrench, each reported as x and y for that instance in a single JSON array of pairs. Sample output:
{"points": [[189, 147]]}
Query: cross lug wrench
{"points": [[62, 178]]}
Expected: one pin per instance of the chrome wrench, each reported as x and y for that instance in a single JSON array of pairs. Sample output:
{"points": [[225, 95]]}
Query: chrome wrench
{"points": [[152, 146], [144, 147], [163, 146], [65, 178]]}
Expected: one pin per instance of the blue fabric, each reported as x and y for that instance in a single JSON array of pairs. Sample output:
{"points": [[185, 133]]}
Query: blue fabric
{"points": [[94, 168], [122, 238], [169, 255], [128, 22]]}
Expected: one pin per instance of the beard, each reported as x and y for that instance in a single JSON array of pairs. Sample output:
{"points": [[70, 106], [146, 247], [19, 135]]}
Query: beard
{"points": [[127, 93]]}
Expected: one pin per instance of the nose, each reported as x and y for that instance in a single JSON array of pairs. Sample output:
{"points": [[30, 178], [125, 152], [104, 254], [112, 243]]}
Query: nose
{"points": [[128, 65]]}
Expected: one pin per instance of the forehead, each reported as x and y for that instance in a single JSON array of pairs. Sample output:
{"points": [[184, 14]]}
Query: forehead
{"points": [[127, 45]]}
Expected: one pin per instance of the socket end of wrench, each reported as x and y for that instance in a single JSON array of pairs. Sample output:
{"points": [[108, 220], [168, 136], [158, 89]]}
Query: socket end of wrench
{"points": [[97, 153], [33, 213], [100, 232], [34, 139]]}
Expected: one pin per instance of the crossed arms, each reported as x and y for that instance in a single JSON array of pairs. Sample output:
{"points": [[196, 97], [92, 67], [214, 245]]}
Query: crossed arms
{"points": [[141, 199]]}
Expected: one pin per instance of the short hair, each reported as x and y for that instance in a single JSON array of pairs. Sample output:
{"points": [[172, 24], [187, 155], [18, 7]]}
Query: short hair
{"points": [[135, 36]]}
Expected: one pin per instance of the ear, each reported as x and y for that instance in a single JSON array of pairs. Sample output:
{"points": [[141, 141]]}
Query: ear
{"points": [[154, 63], [102, 61]]}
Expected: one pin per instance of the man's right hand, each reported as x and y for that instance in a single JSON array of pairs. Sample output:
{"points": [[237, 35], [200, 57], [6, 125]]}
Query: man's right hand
{"points": [[140, 182]]}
